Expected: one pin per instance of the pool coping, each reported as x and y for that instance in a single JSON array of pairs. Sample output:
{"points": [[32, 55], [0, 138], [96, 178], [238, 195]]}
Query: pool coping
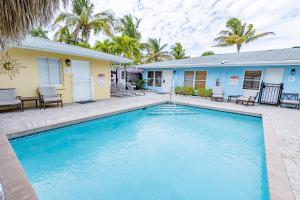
{"points": [[17, 186]]}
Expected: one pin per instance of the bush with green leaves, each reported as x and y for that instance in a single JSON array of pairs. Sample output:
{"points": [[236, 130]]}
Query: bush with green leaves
{"points": [[178, 90], [140, 84], [202, 92], [188, 90]]}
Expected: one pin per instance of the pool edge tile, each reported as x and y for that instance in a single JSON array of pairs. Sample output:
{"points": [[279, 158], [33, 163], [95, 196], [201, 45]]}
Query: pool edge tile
{"points": [[15, 183], [279, 184]]}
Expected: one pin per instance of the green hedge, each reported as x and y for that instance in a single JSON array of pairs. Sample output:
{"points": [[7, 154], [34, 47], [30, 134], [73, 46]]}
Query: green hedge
{"points": [[188, 90], [202, 92], [178, 90]]}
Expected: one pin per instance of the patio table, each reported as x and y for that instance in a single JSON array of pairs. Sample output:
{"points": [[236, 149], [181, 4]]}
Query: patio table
{"points": [[36, 99]]}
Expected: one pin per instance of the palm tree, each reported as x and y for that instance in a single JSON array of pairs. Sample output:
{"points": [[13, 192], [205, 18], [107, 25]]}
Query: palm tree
{"points": [[39, 32], [155, 51], [208, 53], [238, 34], [63, 35], [19, 17], [128, 47], [178, 52], [129, 26], [106, 46], [82, 21]]}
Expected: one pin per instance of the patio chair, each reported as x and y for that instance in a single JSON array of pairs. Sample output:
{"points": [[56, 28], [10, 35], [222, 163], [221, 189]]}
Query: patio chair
{"points": [[133, 91], [290, 99], [123, 90], [218, 93], [8, 97], [49, 95], [249, 97], [114, 91]]}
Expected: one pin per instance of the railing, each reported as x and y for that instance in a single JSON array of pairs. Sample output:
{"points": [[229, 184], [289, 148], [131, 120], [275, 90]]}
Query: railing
{"points": [[270, 93]]}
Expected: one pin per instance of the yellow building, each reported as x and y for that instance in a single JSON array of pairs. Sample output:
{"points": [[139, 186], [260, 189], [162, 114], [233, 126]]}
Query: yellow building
{"points": [[79, 74]]}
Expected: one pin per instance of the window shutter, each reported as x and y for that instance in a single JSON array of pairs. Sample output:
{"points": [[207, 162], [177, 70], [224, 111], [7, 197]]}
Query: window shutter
{"points": [[43, 71], [54, 69]]}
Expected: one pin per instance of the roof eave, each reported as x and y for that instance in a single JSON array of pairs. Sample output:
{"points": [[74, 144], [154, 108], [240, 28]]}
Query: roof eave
{"points": [[236, 64], [113, 59]]}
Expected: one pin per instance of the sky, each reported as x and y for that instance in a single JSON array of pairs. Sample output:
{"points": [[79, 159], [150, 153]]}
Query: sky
{"points": [[195, 23]]}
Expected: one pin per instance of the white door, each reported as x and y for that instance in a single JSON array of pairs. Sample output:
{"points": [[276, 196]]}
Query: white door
{"points": [[274, 75], [167, 81], [82, 87], [270, 93]]}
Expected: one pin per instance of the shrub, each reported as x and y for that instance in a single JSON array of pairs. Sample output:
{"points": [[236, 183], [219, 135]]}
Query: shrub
{"points": [[140, 83], [188, 90], [202, 92], [208, 92], [178, 90]]}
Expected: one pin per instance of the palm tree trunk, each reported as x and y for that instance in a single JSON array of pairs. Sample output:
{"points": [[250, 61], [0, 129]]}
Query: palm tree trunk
{"points": [[238, 47]]}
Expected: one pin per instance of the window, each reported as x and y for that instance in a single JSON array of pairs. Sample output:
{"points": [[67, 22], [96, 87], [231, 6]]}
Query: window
{"points": [[252, 80], [50, 71], [158, 77], [189, 78], [200, 79], [150, 78]]}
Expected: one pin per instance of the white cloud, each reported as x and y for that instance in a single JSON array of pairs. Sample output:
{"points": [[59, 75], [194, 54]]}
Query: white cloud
{"points": [[195, 23]]}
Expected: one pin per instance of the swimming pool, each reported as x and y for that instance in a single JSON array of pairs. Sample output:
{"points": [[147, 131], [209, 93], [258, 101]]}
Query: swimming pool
{"points": [[159, 153]]}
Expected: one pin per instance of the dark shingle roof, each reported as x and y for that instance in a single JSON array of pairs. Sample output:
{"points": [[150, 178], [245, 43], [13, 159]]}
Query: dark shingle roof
{"points": [[289, 56]]}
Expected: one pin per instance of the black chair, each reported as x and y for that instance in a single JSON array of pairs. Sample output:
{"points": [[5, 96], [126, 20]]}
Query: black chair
{"points": [[291, 99]]}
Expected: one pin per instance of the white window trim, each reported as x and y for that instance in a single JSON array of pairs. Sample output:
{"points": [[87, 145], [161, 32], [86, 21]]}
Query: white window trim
{"points": [[60, 70], [261, 75], [154, 78], [150, 78], [193, 80], [194, 77]]}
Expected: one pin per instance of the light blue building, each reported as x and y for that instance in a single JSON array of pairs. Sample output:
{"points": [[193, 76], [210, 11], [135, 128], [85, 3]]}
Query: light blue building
{"points": [[235, 72]]}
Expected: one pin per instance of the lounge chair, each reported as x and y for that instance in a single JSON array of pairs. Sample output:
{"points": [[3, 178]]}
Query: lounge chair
{"points": [[218, 93], [114, 91], [249, 97], [123, 90], [8, 97], [290, 99], [133, 91], [49, 95]]}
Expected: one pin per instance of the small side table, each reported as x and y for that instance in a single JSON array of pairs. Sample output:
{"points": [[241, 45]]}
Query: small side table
{"points": [[36, 99], [230, 97]]}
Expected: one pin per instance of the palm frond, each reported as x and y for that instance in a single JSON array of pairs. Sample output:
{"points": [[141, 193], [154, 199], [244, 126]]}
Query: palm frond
{"points": [[259, 35], [19, 17]]}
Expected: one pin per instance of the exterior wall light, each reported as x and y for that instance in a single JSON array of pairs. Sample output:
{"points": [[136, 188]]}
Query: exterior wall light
{"points": [[68, 62], [293, 71]]}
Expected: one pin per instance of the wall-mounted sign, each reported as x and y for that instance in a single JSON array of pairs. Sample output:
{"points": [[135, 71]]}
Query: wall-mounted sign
{"points": [[68, 70], [234, 80], [291, 79], [100, 79]]}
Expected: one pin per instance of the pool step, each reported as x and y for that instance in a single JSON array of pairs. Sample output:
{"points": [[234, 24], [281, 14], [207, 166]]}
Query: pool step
{"points": [[171, 109]]}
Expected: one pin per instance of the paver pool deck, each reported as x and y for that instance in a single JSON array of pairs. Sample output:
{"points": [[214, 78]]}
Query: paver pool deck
{"points": [[283, 122]]}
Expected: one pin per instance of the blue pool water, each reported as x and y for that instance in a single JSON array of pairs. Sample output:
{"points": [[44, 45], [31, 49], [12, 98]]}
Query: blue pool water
{"points": [[152, 154]]}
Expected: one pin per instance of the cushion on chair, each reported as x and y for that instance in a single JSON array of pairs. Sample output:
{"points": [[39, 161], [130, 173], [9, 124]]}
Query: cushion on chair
{"points": [[48, 91], [243, 98], [8, 94], [288, 101], [218, 96], [52, 99], [10, 102]]}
